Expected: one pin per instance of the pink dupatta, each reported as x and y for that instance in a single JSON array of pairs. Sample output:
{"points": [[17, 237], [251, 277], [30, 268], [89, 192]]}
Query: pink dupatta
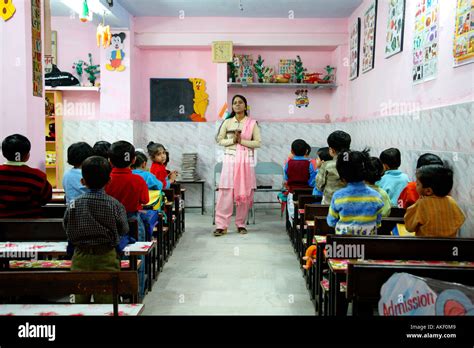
{"points": [[244, 171]]}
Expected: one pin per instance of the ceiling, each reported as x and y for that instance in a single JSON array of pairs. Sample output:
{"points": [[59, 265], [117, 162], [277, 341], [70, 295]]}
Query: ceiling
{"points": [[229, 8]]}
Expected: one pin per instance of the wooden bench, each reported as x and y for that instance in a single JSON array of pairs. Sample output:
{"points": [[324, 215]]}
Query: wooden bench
{"points": [[54, 264], [32, 230], [365, 279], [54, 210], [66, 283]]}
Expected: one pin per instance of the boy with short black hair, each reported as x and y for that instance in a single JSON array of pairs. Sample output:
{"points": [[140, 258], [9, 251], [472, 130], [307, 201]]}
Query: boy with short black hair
{"points": [[76, 154], [23, 190], [409, 195], [355, 209], [435, 214], [323, 156], [327, 179], [393, 181], [101, 148], [94, 224], [374, 172]]}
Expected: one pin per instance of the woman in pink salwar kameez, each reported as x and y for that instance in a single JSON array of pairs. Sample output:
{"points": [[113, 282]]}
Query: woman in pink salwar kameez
{"points": [[240, 135]]}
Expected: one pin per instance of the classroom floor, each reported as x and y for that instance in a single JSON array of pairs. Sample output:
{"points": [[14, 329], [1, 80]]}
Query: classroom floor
{"points": [[253, 274]]}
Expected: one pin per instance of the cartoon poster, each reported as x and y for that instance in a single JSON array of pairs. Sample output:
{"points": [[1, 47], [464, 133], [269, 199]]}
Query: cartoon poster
{"points": [[36, 48], [115, 53], [395, 28], [354, 50], [463, 48], [368, 50], [425, 41]]}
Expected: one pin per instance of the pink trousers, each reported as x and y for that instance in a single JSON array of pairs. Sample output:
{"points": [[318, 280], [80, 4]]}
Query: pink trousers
{"points": [[225, 208]]}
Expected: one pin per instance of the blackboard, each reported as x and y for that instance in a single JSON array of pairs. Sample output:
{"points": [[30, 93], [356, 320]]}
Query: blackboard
{"points": [[171, 100]]}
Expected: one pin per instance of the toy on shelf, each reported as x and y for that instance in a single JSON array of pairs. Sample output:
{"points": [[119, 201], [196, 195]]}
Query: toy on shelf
{"points": [[302, 98], [282, 78], [312, 78], [330, 75], [243, 63], [52, 132], [299, 69], [267, 74], [259, 68], [58, 78], [48, 107], [50, 158], [90, 69]]}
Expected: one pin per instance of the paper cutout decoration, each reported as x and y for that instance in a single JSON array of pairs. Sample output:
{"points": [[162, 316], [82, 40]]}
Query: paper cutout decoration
{"points": [[302, 98], [86, 15], [354, 50], [7, 9], [395, 28], [36, 44], [116, 54], [201, 100], [463, 46], [370, 24], [104, 37]]}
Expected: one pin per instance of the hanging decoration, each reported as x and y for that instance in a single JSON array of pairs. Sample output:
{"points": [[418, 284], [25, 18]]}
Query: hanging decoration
{"points": [[104, 37], [86, 15], [7, 9]]}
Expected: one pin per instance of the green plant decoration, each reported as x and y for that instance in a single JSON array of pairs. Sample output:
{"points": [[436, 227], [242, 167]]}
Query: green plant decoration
{"points": [[233, 70], [329, 74], [91, 70], [299, 69], [259, 69]]}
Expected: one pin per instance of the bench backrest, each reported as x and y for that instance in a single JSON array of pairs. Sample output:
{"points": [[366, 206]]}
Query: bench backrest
{"points": [[268, 168], [301, 191], [321, 227], [312, 210], [409, 248], [52, 211], [397, 212]]}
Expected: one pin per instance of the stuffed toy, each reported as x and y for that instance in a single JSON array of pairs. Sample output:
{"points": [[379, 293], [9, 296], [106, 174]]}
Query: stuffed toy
{"points": [[310, 256]]}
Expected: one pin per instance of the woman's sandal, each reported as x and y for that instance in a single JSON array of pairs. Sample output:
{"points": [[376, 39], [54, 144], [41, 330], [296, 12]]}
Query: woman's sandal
{"points": [[242, 230], [219, 232]]}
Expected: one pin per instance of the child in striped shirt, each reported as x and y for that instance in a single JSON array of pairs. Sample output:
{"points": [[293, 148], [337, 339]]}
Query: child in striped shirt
{"points": [[355, 209]]}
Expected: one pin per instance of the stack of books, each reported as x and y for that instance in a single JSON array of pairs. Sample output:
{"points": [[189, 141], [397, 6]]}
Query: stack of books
{"points": [[188, 167]]}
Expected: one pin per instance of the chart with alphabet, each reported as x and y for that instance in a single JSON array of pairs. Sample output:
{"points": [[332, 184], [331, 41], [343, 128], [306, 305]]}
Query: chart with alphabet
{"points": [[463, 48], [425, 41]]}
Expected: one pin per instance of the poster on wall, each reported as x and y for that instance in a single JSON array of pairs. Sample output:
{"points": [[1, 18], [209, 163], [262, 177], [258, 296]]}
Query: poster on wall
{"points": [[54, 47], [395, 28], [463, 48], [425, 41], [115, 53], [354, 49], [36, 48], [368, 50]]}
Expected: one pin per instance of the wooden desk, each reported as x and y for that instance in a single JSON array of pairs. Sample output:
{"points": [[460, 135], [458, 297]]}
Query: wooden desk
{"points": [[70, 309]]}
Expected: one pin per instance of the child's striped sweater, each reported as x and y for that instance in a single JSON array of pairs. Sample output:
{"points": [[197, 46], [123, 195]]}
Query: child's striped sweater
{"points": [[355, 209]]}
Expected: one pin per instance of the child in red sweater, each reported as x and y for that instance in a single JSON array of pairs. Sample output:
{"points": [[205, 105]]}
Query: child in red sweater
{"points": [[157, 153]]}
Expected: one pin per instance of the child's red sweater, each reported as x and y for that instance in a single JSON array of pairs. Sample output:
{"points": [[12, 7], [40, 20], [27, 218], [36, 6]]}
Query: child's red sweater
{"points": [[159, 170]]}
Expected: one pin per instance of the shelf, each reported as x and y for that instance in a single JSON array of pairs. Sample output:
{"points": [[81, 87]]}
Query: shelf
{"points": [[73, 88], [282, 85], [50, 142], [50, 166]]}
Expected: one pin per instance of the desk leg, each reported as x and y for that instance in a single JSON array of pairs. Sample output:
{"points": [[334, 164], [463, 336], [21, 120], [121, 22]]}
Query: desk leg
{"points": [[339, 299], [332, 288], [202, 198], [133, 267]]}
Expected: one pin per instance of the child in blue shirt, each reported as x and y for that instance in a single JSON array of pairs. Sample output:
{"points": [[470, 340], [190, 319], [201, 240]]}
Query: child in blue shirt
{"points": [[139, 168], [76, 154], [393, 181]]}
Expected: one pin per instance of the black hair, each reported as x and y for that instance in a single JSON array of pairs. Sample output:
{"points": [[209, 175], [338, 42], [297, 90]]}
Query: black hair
{"points": [[121, 154], [140, 158], [352, 165], [167, 158], [437, 177], [428, 158], [78, 152], [323, 154], [154, 148], [374, 170], [339, 141], [299, 147], [102, 148], [96, 172], [391, 157], [232, 114], [16, 147], [308, 149]]}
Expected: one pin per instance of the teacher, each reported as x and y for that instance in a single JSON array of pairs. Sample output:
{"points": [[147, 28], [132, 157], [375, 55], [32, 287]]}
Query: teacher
{"points": [[239, 134]]}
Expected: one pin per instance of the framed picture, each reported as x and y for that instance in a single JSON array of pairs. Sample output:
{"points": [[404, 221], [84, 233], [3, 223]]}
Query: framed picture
{"points": [[54, 46], [463, 46], [395, 27], [222, 51], [370, 24], [354, 49]]}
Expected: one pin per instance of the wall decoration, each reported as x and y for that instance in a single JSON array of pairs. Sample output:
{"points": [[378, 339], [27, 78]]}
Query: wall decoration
{"points": [[90, 69], [354, 49], [299, 69], [222, 51], [54, 46], [86, 14], [370, 27], [302, 98], [463, 48], [7, 9], [115, 53], [287, 66], [259, 68], [36, 48], [425, 41], [395, 28], [178, 100], [243, 63], [103, 35]]}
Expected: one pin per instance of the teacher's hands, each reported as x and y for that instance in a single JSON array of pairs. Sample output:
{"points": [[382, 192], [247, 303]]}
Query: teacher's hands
{"points": [[237, 137]]}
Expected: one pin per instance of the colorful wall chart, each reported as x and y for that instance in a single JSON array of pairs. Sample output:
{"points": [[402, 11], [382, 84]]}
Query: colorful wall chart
{"points": [[368, 50], [463, 48], [36, 48], [425, 41], [354, 49], [395, 28]]}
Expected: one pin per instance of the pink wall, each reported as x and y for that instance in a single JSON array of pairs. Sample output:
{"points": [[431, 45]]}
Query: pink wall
{"points": [[391, 79], [20, 112]]}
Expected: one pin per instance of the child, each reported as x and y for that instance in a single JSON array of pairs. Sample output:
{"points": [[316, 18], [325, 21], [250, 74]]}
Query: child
{"points": [[374, 172], [393, 181], [94, 224], [102, 148], [409, 194], [139, 168], [435, 214], [76, 154], [355, 209], [23, 190], [327, 180], [157, 153], [128, 188], [323, 156]]}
